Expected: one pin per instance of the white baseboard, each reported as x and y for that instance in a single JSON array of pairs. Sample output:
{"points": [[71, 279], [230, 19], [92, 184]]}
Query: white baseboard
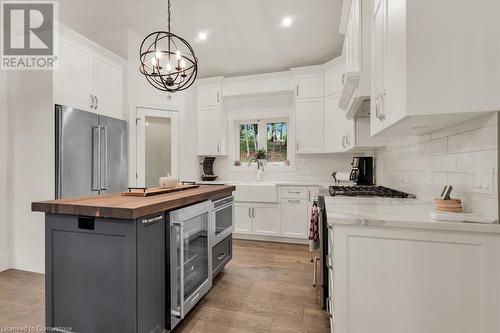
{"points": [[271, 239], [4, 261]]}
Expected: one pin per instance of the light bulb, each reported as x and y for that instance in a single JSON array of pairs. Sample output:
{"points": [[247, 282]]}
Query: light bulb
{"points": [[183, 63], [178, 54], [158, 54], [169, 67]]}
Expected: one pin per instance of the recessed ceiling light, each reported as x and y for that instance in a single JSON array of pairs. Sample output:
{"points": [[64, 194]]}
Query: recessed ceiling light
{"points": [[287, 21], [202, 35]]}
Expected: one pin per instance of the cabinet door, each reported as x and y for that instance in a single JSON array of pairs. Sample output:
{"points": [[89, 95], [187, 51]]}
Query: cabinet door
{"points": [[209, 95], [353, 38], [309, 122], [295, 221], [350, 139], [242, 218], [73, 78], [208, 128], [266, 220], [378, 63], [334, 125], [394, 98], [333, 80], [309, 85], [108, 87]]}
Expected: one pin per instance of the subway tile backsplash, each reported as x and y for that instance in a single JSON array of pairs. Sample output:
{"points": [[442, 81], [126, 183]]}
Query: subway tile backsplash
{"points": [[423, 165]]}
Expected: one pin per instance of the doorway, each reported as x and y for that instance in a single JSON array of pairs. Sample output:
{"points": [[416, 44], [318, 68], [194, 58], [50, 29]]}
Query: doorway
{"points": [[157, 145]]}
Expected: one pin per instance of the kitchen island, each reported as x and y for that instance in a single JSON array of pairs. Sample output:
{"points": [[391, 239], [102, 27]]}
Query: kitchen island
{"points": [[107, 259], [393, 269]]}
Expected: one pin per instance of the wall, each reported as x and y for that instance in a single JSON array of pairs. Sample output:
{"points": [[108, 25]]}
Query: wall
{"points": [[317, 168], [4, 203], [423, 165], [31, 158]]}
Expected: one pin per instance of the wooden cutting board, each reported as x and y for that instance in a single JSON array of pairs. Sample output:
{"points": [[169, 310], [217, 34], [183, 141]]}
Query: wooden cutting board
{"points": [[147, 192]]}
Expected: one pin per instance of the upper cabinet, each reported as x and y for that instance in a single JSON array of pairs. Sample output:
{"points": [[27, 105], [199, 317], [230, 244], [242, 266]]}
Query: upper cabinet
{"points": [[209, 95], [427, 76], [356, 89], [211, 118], [309, 116], [309, 85], [88, 77]]}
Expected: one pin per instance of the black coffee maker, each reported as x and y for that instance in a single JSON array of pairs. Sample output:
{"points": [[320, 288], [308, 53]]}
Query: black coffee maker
{"points": [[362, 170]]}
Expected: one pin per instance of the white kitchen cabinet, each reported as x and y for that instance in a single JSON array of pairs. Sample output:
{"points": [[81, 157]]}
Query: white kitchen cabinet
{"points": [[450, 278], [295, 218], [211, 131], [334, 125], [309, 85], [211, 118], [209, 95], [88, 80], [257, 219], [309, 122], [108, 87], [242, 218], [334, 79], [266, 220], [356, 90], [353, 38], [296, 211], [424, 76], [73, 79]]}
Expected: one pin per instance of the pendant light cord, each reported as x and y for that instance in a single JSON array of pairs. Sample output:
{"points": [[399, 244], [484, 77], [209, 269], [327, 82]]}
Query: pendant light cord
{"points": [[168, 17]]}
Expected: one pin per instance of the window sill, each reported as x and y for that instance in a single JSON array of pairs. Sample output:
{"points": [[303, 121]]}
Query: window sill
{"points": [[267, 168]]}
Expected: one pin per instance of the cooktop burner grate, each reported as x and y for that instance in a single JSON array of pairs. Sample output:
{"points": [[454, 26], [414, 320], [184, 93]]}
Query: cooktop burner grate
{"points": [[368, 191]]}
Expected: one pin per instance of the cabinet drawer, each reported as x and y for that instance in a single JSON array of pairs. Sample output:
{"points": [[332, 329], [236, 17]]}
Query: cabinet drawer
{"points": [[294, 193], [222, 253]]}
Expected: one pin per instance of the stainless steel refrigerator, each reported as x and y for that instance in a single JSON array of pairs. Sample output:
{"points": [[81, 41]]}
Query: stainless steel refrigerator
{"points": [[91, 153]]}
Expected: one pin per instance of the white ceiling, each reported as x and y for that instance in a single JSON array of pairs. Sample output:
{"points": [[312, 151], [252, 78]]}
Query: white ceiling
{"points": [[244, 36]]}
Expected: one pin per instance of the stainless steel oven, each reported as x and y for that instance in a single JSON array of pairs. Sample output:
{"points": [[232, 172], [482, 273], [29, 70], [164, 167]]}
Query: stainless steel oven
{"points": [[222, 219], [190, 258]]}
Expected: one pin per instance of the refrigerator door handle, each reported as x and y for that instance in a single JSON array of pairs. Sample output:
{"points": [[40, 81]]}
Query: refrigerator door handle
{"points": [[104, 178], [60, 150], [96, 158]]}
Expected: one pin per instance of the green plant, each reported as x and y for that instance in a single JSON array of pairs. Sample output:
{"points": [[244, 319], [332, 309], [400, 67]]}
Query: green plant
{"points": [[261, 154]]}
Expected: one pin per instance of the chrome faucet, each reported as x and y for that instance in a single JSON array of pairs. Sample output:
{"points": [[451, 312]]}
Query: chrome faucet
{"points": [[259, 163]]}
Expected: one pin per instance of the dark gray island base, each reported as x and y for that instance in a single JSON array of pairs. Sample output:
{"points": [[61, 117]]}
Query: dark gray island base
{"points": [[109, 273]]}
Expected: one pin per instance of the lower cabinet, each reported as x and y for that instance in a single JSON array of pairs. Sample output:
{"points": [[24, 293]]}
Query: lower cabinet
{"points": [[294, 218], [105, 275], [222, 253], [258, 219], [288, 219]]}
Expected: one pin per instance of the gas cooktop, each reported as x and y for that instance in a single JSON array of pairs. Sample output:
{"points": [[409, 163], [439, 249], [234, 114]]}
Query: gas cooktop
{"points": [[368, 191]]}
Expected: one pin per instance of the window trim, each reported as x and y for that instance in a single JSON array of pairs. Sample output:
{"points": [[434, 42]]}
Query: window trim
{"points": [[262, 135]]}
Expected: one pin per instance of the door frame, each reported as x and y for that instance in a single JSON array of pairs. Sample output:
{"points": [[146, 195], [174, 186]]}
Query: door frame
{"points": [[160, 112]]}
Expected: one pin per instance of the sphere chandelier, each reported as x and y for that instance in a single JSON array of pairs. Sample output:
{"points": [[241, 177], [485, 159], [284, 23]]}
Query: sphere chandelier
{"points": [[168, 61]]}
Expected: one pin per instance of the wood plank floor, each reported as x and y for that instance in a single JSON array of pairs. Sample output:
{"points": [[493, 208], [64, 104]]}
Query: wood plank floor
{"points": [[267, 287]]}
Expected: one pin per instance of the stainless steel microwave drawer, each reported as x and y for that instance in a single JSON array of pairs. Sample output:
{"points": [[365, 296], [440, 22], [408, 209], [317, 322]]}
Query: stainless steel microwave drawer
{"points": [[222, 253]]}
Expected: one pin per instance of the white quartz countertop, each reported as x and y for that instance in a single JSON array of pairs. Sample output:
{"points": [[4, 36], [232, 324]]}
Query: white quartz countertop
{"points": [[387, 212], [269, 182]]}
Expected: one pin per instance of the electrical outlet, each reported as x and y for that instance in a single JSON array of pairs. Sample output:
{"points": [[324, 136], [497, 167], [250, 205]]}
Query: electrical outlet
{"points": [[481, 180]]}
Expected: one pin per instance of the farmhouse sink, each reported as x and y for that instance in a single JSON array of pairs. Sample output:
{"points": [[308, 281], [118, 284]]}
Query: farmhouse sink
{"points": [[257, 191]]}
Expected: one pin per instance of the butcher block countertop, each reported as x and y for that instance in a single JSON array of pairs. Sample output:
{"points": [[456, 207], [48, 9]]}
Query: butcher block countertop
{"points": [[114, 205]]}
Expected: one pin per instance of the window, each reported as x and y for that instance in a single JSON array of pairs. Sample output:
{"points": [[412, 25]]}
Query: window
{"points": [[249, 141], [270, 135]]}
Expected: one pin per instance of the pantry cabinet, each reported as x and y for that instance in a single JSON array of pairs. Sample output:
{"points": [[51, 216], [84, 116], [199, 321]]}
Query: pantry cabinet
{"points": [[428, 76], [87, 79], [211, 118]]}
